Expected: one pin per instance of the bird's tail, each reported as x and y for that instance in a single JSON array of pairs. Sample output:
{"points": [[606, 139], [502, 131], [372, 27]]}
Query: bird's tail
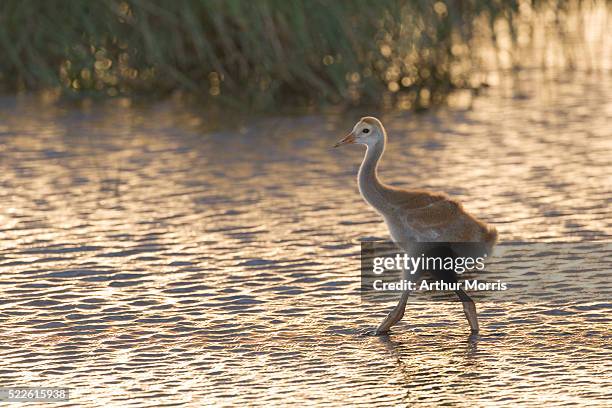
{"points": [[490, 235]]}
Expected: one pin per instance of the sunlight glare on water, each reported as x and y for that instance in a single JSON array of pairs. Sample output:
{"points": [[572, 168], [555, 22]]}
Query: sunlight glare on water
{"points": [[149, 259]]}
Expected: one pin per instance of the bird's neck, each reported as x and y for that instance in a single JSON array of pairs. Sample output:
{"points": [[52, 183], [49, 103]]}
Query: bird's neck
{"points": [[370, 186]]}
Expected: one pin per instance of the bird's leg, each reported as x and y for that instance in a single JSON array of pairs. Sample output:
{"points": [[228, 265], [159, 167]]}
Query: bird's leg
{"points": [[396, 314], [469, 308]]}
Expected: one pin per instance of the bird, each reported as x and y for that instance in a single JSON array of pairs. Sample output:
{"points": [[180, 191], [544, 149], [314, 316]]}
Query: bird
{"points": [[413, 215]]}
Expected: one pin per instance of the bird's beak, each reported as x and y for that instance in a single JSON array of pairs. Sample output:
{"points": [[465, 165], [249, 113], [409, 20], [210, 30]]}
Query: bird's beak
{"points": [[348, 139]]}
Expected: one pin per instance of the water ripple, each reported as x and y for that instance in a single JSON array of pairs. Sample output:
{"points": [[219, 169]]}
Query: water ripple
{"points": [[149, 262]]}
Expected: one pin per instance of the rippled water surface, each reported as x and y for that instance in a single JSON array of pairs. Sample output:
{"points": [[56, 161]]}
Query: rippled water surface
{"points": [[151, 258]]}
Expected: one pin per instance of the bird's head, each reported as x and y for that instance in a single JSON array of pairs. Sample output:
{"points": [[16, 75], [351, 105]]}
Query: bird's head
{"points": [[368, 131]]}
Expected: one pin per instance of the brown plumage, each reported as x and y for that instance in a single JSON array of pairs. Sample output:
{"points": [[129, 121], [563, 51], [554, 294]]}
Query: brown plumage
{"points": [[413, 215]]}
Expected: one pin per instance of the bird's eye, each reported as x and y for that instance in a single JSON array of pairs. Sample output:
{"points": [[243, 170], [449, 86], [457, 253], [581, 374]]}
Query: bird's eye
{"points": [[366, 130]]}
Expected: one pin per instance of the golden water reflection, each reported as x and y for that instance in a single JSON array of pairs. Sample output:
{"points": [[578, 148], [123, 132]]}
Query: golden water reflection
{"points": [[149, 258]]}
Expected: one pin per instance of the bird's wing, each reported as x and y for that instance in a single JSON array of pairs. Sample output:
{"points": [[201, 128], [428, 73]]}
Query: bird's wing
{"points": [[431, 218], [413, 199]]}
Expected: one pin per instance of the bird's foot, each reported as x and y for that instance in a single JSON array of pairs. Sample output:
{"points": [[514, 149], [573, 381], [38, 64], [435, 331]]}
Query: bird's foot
{"points": [[474, 336], [375, 332]]}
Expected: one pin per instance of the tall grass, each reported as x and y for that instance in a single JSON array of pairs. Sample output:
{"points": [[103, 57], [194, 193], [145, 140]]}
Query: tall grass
{"points": [[264, 53]]}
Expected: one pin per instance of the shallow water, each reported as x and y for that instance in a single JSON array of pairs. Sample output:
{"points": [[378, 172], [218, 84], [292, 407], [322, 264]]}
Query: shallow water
{"points": [[149, 259]]}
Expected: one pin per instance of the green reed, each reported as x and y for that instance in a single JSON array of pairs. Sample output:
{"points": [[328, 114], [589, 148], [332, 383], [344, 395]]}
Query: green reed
{"points": [[262, 53]]}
